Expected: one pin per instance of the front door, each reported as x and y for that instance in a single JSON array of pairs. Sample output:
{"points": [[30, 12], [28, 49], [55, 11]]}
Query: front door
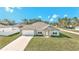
{"points": [[47, 33]]}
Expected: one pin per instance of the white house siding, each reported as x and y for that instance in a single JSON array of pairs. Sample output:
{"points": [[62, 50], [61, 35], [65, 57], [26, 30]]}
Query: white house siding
{"points": [[32, 32], [49, 33], [77, 28], [8, 31], [54, 31], [44, 33], [37, 32]]}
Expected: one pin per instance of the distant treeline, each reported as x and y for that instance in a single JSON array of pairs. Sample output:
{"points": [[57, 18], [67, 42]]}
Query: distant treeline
{"points": [[66, 22], [7, 22], [62, 22], [30, 21]]}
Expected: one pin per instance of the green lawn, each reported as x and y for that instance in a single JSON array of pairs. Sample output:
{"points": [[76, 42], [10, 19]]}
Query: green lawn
{"points": [[66, 42], [74, 30], [7, 39], [71, 30]]}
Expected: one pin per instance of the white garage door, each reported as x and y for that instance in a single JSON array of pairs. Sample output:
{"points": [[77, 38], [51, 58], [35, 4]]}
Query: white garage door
{"points": [[27, 32]]}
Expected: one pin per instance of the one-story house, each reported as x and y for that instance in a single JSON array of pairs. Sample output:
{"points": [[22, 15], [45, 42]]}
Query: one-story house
{"points": [[70, 27], [77, 28], [6, 31], [40, 28], [1, 25]]}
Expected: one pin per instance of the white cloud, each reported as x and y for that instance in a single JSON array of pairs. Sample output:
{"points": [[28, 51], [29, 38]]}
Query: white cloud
{"points": [[51, 19], [48, 17], [11, 9], [65, 15], [7, 9], [54, 16], [39, 16]]}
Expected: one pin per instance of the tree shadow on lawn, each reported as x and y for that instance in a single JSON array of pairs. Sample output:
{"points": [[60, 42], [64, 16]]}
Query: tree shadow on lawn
{"points": [[14, 34], [62, 36], [11, 35]]}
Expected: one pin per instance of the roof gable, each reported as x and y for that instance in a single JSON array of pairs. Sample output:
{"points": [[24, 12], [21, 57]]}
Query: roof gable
{"points": [[39, 26], [49, 28], [36, 26]]}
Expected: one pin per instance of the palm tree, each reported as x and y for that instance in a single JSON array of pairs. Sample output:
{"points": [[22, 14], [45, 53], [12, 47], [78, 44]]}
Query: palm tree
{"points": [[75, 21], [62, 22]]}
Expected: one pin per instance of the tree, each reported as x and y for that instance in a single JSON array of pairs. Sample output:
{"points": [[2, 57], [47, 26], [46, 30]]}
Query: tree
{"points": [[25, 21], [64, 22], [30, 21], [8, 22], [12, 22], [75, 21]]}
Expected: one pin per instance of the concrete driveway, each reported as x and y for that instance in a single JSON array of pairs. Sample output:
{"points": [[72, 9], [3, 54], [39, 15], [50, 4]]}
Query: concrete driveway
{"points": [[19, 44]]}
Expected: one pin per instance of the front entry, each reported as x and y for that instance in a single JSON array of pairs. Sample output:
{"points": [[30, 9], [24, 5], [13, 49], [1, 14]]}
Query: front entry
{"points": [[47, 33]]}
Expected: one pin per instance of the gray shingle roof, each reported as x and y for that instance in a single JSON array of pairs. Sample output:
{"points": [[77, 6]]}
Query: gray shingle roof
{"points": [[38, 26]]}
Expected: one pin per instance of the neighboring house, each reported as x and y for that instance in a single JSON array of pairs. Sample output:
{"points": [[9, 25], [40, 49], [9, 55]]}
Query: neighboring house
{"points": [[70, 27], [2, 25], [19, 25], [77, 28], [40, 28], [6, 31]]}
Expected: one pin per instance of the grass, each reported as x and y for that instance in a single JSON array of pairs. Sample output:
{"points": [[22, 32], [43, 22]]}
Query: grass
{"points": [[71, 30], [66, 42], [7, 39], [74, 30]]}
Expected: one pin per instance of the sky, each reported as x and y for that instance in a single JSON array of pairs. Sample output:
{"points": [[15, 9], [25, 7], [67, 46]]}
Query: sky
{"points": [[46, 13]]}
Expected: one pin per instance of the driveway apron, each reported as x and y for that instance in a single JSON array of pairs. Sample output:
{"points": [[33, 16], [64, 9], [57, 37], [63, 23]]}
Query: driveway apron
{"points": [[19, 44]]}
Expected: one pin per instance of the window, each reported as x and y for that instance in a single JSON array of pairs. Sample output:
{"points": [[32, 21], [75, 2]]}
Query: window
{"points": [[54, 32], [39, 32]]}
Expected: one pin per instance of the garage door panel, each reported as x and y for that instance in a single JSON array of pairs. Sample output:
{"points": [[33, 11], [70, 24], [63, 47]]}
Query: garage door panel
{"points": [[28, 32]]}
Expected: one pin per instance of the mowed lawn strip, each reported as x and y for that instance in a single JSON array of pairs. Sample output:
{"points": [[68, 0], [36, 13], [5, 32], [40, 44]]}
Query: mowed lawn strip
{"points": [[7, 39], [66, 42]]}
